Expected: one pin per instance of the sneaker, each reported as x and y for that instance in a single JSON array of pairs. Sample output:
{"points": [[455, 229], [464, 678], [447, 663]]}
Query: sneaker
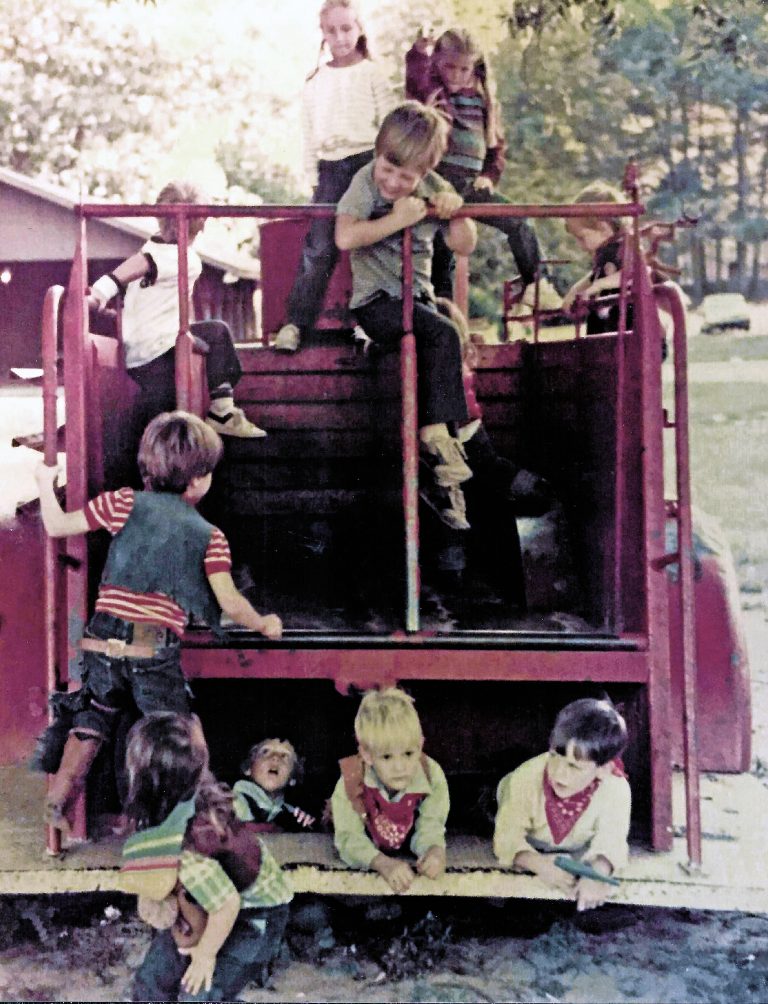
{"points": [[287, 339], [446, 456], [447, 503], [234, 423], [549, 298]]}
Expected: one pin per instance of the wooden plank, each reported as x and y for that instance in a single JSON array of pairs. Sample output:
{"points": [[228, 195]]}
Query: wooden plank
{"points": [[734, 874]]}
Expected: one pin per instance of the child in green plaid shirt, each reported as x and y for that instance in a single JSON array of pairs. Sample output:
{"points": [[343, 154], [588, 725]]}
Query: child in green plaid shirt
{"points": [[181, 811]]}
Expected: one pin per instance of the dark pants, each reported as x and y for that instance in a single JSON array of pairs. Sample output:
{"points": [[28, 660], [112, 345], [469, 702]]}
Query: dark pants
{"points": [[251, 946], [320, 254], [520, 235], [111, 685], [157, 379], [438, 354]]}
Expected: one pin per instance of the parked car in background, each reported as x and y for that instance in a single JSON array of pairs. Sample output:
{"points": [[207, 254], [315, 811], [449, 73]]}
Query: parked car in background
{"points": [[724, 310]]}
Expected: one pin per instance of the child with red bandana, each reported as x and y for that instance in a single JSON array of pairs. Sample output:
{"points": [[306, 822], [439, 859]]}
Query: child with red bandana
{"points": [[390, 796], [574, 800]]}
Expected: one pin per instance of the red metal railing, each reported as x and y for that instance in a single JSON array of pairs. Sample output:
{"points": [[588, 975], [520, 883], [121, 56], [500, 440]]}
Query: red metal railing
{"points": [[669, 294]]}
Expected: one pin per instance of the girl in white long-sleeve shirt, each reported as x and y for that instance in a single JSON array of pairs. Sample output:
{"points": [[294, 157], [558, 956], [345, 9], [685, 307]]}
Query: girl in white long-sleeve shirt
{"points": [[345, 101]]}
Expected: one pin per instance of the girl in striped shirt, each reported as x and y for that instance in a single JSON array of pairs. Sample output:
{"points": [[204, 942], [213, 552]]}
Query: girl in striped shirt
{"points": [[345, 101], [165, 564], [454, 78]]}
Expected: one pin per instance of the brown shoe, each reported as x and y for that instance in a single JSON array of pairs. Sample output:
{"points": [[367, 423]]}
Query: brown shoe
{"points": [[69, 780]]}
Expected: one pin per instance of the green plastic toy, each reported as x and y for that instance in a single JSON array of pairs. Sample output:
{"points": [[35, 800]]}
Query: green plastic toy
{"points": [[583, 870]]}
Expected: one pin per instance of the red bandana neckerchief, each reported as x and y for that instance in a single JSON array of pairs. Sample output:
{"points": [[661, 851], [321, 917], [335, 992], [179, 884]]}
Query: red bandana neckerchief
{"points": [[563, 813], [389, 823]]}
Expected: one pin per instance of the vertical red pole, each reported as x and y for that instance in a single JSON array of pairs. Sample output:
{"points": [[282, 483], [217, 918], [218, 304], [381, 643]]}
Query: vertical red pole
{"points": [[183, 342], [77, 366], [686, 583], [409, 420], [51, 577], [620, 486]]}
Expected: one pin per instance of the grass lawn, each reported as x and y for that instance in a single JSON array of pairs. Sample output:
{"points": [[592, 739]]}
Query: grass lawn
{"points": [[729, 446]]}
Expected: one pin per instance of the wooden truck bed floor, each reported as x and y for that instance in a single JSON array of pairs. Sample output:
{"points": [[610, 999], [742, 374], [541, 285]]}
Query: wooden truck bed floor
{"points": [[734, 874]]}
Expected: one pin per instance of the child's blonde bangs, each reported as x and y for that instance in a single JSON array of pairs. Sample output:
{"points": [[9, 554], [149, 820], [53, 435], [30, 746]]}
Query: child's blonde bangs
{"points": [[387, 720]]}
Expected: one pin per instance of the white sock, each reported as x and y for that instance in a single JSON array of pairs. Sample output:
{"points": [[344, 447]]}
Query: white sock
{"points": [[221, 406]]}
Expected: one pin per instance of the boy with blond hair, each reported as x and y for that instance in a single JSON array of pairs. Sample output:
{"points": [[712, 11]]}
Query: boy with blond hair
{"points": [[573, 801], [165, 564], [385, 197], [390, 795]]}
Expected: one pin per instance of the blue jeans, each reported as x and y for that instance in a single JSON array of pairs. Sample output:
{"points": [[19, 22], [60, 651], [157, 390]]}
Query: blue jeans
{"points": [[111, 685], [521, 238], [320, 254], [252, 945], [438, 354]]}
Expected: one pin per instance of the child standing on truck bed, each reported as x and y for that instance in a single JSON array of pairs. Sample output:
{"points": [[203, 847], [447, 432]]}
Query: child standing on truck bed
{"points": [[384, 198], [345, 101], [390, 795], [165, 564], [148, 281], [454, 78], [206, 881], [573, 800]]}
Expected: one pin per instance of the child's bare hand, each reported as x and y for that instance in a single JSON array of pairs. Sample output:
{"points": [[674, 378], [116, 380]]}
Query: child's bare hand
{"points": [[482, 184], [432, 864], [445, 204], [271, 627], [548, 872], [409, 210], [46, 476], [397, 874], [199, 973], [590, 893], [94, 303]]}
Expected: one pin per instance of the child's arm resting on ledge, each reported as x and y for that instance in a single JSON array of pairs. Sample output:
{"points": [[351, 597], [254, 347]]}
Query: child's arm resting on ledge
{"points": [[236, 606]]}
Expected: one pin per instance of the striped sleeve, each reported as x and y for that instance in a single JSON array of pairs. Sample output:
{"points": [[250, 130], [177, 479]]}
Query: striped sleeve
{"points": [[110, 510], [217, 554]]}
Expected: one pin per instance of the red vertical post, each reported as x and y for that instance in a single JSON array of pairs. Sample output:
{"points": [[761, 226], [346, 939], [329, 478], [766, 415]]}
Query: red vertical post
{"points": [[646, 323], [183, 341], [51, 576], [408, 374], [686, 582], [620, 485], [77, 373]]}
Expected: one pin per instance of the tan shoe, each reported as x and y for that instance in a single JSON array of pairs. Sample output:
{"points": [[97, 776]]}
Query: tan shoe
{"points": [[446, 456], [549, 298], [287, 339], [234, 424]]}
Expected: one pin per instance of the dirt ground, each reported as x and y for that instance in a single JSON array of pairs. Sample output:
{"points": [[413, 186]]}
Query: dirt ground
{"points": [[463, 951]]}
